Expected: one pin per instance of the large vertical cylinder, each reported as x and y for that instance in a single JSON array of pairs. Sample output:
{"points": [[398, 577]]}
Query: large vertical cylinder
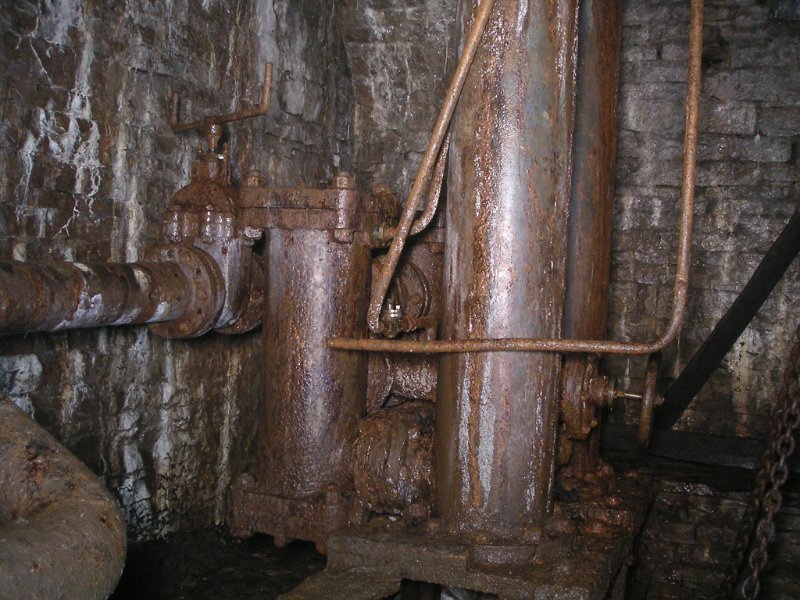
{"points": [[317, 288], [592, 197], [504, 268], [591, 211]]}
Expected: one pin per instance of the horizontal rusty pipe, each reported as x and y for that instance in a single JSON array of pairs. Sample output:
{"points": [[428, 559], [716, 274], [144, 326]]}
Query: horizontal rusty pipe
{"points": [[681, 276], [427, 164], [56, 295], [61, 532]]}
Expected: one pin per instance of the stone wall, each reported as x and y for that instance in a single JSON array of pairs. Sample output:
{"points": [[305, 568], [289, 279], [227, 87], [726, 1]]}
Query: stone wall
{"points": [[684, 548], [88, 165], [401, 54], [747, 189]]}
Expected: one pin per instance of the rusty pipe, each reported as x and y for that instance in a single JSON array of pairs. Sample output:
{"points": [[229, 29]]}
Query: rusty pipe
{"points": [[681, 287], [427, 164], [56, 295], [61, 532], [432, 202]]}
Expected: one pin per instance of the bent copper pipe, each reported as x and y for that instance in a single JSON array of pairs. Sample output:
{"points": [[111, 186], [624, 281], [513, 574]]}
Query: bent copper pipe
{"points": [[432, 202], [427, 164], [681, 287], [61, 532]]}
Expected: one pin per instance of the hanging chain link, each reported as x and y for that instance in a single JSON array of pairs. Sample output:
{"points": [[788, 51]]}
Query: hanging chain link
{"points": [[765, 498]]}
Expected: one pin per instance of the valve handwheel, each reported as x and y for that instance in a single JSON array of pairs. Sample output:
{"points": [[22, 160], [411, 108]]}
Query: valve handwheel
{"points": [[650, 399]]}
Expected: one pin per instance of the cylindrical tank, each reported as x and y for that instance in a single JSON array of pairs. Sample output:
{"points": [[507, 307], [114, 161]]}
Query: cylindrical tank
{"points": [[505, 254], [591, 215], [316, 288]]}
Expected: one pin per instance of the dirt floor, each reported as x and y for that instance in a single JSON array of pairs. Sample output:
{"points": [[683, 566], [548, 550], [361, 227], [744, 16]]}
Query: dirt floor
{"points": [[210, 565]]}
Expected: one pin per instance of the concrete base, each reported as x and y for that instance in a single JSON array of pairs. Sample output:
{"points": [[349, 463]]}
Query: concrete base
{"points": [[577, 557]]}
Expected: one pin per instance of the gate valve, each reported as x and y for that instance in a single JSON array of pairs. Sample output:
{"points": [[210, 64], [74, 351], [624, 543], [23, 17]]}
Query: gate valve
{"points": [[205, 239]]}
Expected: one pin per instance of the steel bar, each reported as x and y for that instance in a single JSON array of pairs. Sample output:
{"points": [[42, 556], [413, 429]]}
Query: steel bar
{"points": [[427, 164], [681, 286], [705, 361], [56, 295]]}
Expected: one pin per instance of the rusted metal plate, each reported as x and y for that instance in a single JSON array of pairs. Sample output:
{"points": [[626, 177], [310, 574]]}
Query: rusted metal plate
{"points": [[577, 556]]}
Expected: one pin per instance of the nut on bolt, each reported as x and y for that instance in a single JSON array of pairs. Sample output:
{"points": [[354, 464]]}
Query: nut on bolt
{"points": [[343, 180]]}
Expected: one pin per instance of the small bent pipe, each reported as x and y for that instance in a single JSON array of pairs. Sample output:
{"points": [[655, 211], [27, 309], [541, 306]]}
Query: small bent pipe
{"points": [[61, 532], [680, 290]]}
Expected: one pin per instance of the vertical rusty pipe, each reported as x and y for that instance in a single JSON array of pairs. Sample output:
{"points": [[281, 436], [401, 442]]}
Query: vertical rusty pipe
{"points": [[504, 268], [592, 194], [316, 288], [595, 149]]}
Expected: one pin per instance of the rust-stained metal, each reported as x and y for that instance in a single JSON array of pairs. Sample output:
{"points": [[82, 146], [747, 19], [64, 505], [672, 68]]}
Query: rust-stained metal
{"points": [[383, 235], [650, 399], [507, 206], [202, 278], [56, 295], [203, 217], [590, 224], [393, 463], [239, 115], [316, 287], [415, 295], [681, 287], [61, 532], [204, 288], [317, 259], [423, 174], [575, 556]]}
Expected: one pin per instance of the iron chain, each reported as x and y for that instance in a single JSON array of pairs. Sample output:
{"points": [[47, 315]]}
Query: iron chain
{"points": [[758, 522]]}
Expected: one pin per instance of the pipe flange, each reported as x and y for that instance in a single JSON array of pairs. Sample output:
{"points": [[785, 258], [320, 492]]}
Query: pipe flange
{"points": [[207, 291]]}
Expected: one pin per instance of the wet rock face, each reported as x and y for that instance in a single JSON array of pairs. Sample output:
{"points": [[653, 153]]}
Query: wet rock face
{"points": [[88, 166], [401, 55]]}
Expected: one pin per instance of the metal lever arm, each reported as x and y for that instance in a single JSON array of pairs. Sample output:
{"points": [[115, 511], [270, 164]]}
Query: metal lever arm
{"points": [[239, 115]]}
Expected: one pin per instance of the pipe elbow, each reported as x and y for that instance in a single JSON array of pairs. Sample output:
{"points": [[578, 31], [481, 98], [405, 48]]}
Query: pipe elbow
{"points": [[61, 532]]}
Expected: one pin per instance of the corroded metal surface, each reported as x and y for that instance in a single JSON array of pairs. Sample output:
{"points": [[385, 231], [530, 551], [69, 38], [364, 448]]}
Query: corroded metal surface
{"points": [[680, 289], [313, 517], [393, 463], [459, 79], [316, 288], [61, 533], [590, 219], [577, 556], [317, 259], [55, 295], [504, 269], [238, 115]]}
